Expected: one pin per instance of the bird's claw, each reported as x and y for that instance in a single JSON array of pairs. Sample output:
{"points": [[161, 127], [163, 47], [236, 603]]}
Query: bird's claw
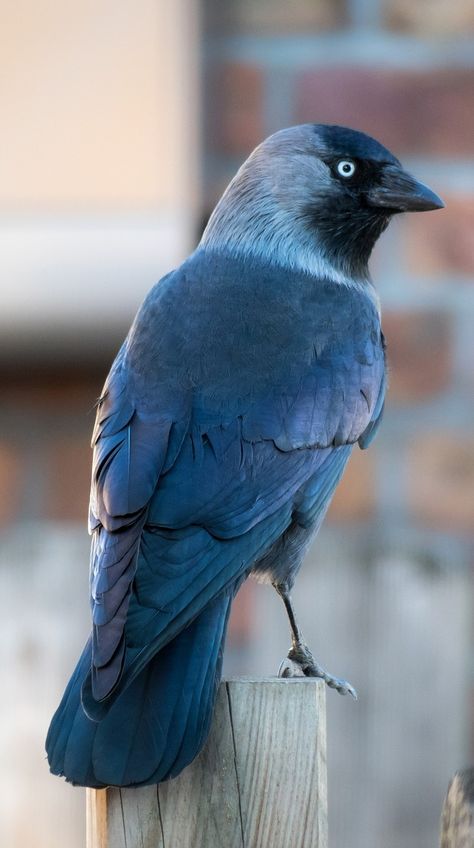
{"points": [[300, 663], [341, 686]]}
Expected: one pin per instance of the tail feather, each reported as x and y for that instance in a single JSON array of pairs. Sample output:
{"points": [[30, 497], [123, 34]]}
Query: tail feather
{"points": [[158, 724], [67, 725]]}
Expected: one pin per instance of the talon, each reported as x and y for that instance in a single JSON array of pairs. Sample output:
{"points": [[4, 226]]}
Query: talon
{"points": [[300, 663], [342, 686]]}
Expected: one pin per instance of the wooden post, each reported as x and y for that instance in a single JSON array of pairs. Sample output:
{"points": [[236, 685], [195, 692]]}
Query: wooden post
{"points": [[260, 780], [457, 819]]}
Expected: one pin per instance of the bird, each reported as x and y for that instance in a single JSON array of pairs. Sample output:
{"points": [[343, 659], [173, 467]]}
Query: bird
{"points": [[248, 376]]}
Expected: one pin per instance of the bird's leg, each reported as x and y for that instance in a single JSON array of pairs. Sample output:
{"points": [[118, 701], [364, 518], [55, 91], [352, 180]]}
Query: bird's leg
{"points": [[300, 661]]}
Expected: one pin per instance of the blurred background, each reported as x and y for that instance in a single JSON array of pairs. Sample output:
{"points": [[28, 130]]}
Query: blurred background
{"points": [[121, 124]]}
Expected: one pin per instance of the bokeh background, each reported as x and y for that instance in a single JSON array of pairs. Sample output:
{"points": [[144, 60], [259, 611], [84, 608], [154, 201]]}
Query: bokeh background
{"points": [[121, 124]]}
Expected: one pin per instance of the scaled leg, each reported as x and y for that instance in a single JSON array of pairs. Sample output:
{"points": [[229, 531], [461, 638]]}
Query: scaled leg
{"points": [[300, 661]]}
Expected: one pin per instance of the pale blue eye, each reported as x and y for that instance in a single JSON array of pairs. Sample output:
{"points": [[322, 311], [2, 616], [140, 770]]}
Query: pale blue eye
{"points": [[346, 168]]}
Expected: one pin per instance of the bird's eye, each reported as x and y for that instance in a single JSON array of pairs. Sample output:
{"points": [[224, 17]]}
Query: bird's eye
{"points": [[346, 168]]}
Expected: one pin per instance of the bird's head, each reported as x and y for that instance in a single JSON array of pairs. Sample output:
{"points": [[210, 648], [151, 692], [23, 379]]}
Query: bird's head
{"points": [[315, 198]]}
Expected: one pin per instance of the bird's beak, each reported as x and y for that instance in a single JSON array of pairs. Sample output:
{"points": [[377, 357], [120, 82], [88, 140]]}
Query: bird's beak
{"points": [[400, 192]]}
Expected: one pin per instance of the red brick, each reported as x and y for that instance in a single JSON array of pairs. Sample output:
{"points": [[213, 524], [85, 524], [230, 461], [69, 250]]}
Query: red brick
{"points": [[441, 480], [264, 17], [69, 479], [409, 111], [430, 17], [242, 615], [50, 390], [442, 243], [11, 483], [236, 108], [419, 354], [354, 499]]}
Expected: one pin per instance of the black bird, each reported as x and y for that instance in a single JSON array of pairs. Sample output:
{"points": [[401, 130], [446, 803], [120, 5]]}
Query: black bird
{"points": [[225, 424]]}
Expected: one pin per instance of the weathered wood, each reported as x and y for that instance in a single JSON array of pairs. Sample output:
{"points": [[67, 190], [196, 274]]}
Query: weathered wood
{"points": [[260, 780], [457, 820]]}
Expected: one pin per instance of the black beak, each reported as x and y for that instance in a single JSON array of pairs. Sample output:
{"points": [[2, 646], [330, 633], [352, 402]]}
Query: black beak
{"points": [[398, 191]]}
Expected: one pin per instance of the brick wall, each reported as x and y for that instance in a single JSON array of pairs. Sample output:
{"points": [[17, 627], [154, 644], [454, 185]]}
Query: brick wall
{"points": [[403, 72], [46, 422]]}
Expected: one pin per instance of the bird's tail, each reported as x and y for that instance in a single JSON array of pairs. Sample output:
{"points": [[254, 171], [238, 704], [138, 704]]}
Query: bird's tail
{"points": [[158, 724]]}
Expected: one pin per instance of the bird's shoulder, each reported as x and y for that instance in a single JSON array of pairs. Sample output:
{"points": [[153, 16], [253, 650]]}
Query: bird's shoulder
{"points": [[225, 325]]}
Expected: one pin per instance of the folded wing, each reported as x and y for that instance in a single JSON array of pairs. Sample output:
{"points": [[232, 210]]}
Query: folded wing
{"points": [[198, 474]]}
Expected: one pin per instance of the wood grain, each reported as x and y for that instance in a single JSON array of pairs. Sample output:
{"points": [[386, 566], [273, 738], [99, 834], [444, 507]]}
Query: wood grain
{"points": [[280, 745], [260, 780], [457, 820]]}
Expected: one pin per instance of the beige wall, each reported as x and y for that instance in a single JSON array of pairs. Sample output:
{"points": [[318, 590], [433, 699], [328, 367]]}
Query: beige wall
{"points": [[99, 103]]}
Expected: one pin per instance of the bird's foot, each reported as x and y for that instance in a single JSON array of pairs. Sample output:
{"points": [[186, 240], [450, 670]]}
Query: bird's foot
{"points": [[301, 663]]}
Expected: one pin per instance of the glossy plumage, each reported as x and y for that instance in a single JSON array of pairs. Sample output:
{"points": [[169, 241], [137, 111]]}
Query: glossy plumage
{"points": [[223, 429]]}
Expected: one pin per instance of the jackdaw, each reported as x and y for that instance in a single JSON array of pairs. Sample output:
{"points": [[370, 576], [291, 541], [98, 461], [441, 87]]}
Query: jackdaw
{"points": [[227, 419]]}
